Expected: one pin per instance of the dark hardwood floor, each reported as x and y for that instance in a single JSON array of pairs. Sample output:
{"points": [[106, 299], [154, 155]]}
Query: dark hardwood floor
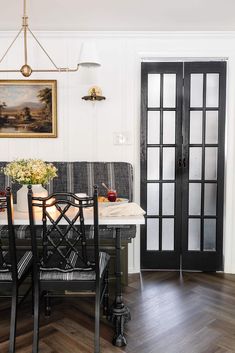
{"points": [[171, 313]]}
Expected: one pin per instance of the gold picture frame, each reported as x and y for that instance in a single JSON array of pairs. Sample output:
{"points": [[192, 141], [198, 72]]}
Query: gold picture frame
{"points": [[28, 108]]}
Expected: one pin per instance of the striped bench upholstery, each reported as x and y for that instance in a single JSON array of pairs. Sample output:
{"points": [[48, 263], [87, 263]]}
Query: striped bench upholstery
{"points": [[79, 177], [24, 261]]}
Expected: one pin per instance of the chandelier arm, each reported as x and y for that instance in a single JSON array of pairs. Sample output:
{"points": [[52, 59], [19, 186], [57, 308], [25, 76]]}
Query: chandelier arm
{"points": [[53, 63], [25, 48], [25, 45], [59, 69], [24, 8], [25, 26], [5, 54], [10, 70]]}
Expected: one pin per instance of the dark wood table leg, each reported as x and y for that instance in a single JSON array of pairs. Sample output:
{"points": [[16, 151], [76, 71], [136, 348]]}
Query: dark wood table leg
{"points": [[120, 313]]}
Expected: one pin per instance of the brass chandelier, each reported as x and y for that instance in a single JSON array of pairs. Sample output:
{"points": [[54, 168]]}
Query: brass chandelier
{"points": [[26, 70]]}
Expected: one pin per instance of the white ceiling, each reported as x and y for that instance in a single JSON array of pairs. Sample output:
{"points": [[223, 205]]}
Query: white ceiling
{"points": [[134, 15]]}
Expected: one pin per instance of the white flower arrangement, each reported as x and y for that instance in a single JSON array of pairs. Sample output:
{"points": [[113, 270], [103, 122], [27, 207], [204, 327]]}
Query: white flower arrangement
{"points": [[30, 171]]}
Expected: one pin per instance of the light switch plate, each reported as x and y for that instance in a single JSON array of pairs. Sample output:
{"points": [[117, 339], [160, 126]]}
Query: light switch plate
{"points": [[122, 138]]}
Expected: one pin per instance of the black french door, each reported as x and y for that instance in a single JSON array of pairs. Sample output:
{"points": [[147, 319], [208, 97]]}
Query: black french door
{"points": [[182, 165]]}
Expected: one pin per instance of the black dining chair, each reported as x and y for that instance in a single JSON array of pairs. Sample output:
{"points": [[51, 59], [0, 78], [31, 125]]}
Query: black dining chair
{"points": [[15, 266], [63, 260]]}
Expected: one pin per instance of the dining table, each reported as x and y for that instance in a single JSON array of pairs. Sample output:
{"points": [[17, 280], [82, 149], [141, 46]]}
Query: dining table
{"points": [[119, 312]]}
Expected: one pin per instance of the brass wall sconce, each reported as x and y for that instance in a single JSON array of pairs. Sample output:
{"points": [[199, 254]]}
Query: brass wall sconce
{"points": [[94, 94]]}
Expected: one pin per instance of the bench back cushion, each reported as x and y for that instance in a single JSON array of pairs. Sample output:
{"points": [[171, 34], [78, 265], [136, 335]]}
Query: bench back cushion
{"points": [[81, 176]]}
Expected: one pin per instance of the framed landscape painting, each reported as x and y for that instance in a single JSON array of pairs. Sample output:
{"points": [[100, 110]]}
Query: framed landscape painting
{"points": [[28, 108]]}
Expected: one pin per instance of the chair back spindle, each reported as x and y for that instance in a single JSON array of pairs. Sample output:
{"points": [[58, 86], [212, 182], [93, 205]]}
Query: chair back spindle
{"points": [[8, 258], [64, 238]]}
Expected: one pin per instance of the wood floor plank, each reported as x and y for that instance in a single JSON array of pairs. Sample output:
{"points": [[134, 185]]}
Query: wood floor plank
{"points": [[171, 313]]}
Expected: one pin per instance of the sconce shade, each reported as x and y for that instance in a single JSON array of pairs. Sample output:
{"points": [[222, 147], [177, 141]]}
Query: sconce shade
{"points": [[88, 55]]}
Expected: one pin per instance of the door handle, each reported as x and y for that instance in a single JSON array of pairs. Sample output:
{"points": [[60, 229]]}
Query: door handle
{"points": [[182, 162]]}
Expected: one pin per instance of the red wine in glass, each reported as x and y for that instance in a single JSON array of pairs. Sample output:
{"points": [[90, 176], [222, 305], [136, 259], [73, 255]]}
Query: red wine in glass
{"points": [[112, 195]]}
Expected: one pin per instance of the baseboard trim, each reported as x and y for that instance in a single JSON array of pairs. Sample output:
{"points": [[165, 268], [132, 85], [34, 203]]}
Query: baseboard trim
{"points": [[133, 270]]}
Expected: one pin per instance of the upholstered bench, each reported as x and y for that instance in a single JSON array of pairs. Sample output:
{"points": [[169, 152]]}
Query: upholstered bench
{"points": [[79, 177]]}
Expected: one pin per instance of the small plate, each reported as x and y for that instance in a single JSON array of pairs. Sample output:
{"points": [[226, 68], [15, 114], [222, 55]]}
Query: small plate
{"points": [[120, 202]]}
